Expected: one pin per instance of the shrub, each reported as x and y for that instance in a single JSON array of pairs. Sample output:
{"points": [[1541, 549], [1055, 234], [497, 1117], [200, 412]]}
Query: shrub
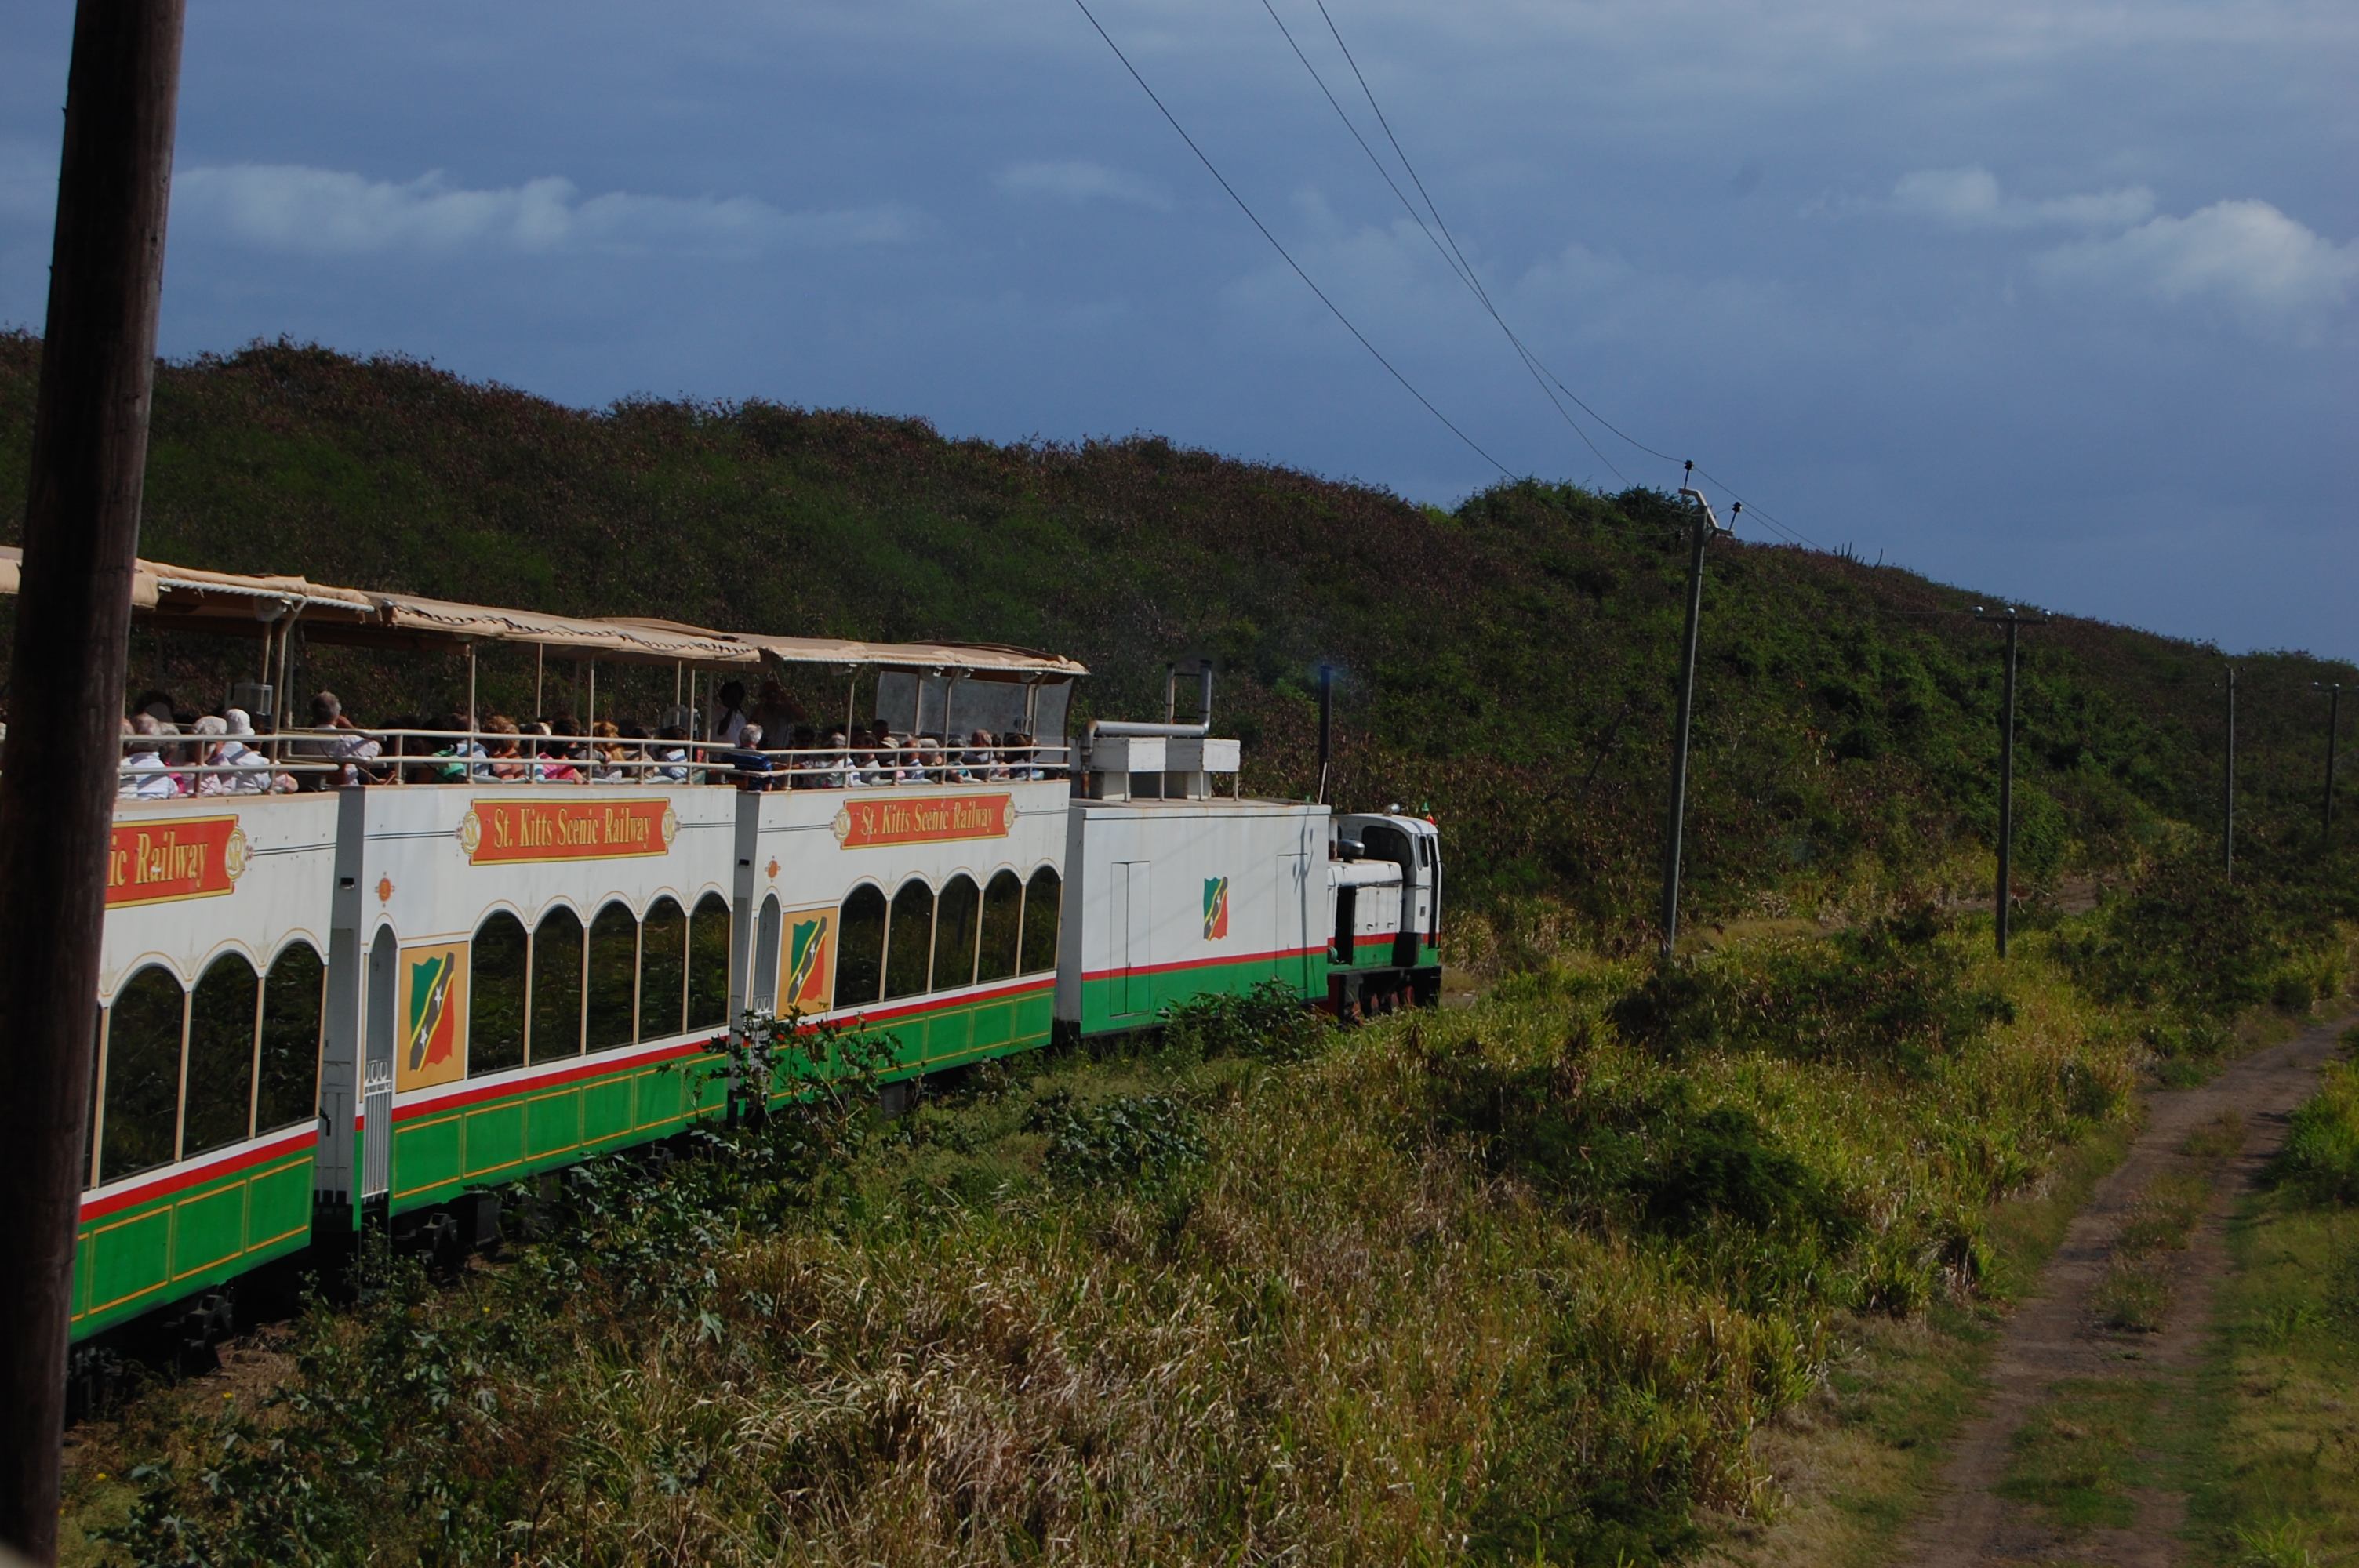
{"points": [[2320, 1160]]}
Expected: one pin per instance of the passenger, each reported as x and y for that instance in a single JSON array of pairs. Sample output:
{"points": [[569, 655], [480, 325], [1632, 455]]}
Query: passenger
{"points": [[799, 765], [776, 711], [507, 759], [144, 776], [460, 750], [983, 757], [560, 752], [341, 743], [157, 704], [671, 755], [859, 769], [729, 722], [607, 754], [252, 776], [750, 766], [633, 752], [835, 767]]}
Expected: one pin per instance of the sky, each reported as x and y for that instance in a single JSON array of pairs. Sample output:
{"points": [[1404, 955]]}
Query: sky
{"points": [[2058, 302]]}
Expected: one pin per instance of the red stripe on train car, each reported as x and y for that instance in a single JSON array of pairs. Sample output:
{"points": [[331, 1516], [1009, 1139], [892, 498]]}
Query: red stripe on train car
{"points": [[167, 1181]]}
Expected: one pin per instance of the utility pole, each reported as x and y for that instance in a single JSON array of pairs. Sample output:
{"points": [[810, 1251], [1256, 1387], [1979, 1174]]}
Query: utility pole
{"points": [[1702, 529], [88, 460], [2334, 690], [1326, 724], [2004, 898], [2228, 791]]}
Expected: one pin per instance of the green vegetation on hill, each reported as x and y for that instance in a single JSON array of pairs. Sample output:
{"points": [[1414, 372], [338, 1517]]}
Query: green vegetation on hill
{"points": [[1509, 665]]}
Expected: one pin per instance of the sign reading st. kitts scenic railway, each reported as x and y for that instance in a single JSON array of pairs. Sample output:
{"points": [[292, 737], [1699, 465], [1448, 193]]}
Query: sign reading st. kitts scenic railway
{"points": [[870, 822], [159, 860], [497, 832]]}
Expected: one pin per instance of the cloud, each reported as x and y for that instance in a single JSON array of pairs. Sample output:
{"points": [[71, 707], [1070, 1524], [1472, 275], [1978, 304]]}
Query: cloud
{"points": [[318, 211], [1077, 180], [1970, 198], [2272, 272]]}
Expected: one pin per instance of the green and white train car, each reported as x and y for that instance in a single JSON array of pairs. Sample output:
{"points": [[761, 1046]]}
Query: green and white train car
{"points": [[203, 1123], [381, 1003]]}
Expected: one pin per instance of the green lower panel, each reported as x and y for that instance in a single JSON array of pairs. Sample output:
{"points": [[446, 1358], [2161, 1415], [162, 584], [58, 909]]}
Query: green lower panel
{"points": [[552, 1123], [660, 1092], [606, 1110], [494, 1139], [131, 1262], [163, 1252], [209, 1231], [426, 1153], [1133, 1001], [508, 1140]]}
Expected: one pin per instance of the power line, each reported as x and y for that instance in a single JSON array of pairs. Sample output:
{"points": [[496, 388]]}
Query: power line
{"points": [[1280, 249], [1455, 258], [1451, 256]]}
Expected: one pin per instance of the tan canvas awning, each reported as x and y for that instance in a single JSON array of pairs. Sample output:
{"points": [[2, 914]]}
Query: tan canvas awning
{"points": [[229, 603], [986, 661]]}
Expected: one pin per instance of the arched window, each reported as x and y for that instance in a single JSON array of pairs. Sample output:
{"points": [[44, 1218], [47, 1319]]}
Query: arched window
{"points": [[613, 1011], [663, 970], [860, 947], [955, 917], [143, 1075], [910, 940], [499, 963], [287, 1090], [222, 1014], [1041, 896], [556, 987], [708, 964], [1002, 928]]}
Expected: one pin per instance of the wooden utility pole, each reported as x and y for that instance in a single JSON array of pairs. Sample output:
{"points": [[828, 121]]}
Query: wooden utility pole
{"points": [[2003, 900], [2228, 790], [57, 771], [1675, 824], [2334, 690]]}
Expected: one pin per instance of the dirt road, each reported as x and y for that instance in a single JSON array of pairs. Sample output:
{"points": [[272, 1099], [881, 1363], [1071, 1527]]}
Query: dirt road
{"points": [[2055, 1338]]}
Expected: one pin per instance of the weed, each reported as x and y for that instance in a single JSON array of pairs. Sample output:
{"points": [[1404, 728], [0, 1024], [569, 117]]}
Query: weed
{"points": [[2320, 1159], [2132, 1299], [2284, 1544], [2164, 1216], [2221, 1138]]}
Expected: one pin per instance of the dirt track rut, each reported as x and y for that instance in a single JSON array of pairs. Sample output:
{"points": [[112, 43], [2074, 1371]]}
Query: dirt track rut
{"points": [[2054, 1338]]}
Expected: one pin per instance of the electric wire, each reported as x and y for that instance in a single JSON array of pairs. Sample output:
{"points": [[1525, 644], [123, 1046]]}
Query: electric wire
{"points": [[1456, 257], [1333, 308], [1455, 262]]}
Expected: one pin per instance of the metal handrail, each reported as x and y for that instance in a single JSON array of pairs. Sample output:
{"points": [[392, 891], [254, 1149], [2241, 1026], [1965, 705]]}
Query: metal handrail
{"points": [[602, 760]]}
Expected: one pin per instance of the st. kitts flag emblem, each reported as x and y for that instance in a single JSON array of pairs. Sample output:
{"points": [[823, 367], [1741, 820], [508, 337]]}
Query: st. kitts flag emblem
{"points": [[806, 960], [433, 1022], [1216, 908]]}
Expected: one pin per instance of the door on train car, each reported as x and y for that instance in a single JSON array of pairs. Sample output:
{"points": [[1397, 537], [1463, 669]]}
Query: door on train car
{"points": [[1381, 842], [376, 1072], [1132, 913], [1292, 904]]}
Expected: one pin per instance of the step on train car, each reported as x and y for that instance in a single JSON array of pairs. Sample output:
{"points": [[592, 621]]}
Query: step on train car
{"points": [[420, 976]]}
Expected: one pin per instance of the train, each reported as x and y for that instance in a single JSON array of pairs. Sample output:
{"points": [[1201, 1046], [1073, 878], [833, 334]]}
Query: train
{"points": [[381, 1002]]}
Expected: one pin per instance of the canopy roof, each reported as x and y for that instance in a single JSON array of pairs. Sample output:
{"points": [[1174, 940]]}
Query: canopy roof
{"points": [[230, 604]]}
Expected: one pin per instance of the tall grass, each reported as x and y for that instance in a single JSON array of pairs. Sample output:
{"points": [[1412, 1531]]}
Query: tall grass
{"points": [[1503, 1284]]}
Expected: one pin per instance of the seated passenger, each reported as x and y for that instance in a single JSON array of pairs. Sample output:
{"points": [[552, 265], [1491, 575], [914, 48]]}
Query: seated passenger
{"points": [[142, 773], [506, 763], [558, 752], [341, 743], [671, 755], [776, 711], [607, 754], [835, 766], [748, 763], [252, 776], [981, 756], [800, 765], [462, 748], [633, 752]]}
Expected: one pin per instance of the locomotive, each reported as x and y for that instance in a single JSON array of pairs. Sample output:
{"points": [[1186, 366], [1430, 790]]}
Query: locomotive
{"points": [[377, 1005]]}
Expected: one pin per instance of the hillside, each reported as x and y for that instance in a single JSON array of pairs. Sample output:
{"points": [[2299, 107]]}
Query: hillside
{"points": [[1509, 665]]}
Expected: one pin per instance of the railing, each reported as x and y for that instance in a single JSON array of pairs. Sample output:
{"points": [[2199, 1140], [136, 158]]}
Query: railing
{"points": [[302, 760]]}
